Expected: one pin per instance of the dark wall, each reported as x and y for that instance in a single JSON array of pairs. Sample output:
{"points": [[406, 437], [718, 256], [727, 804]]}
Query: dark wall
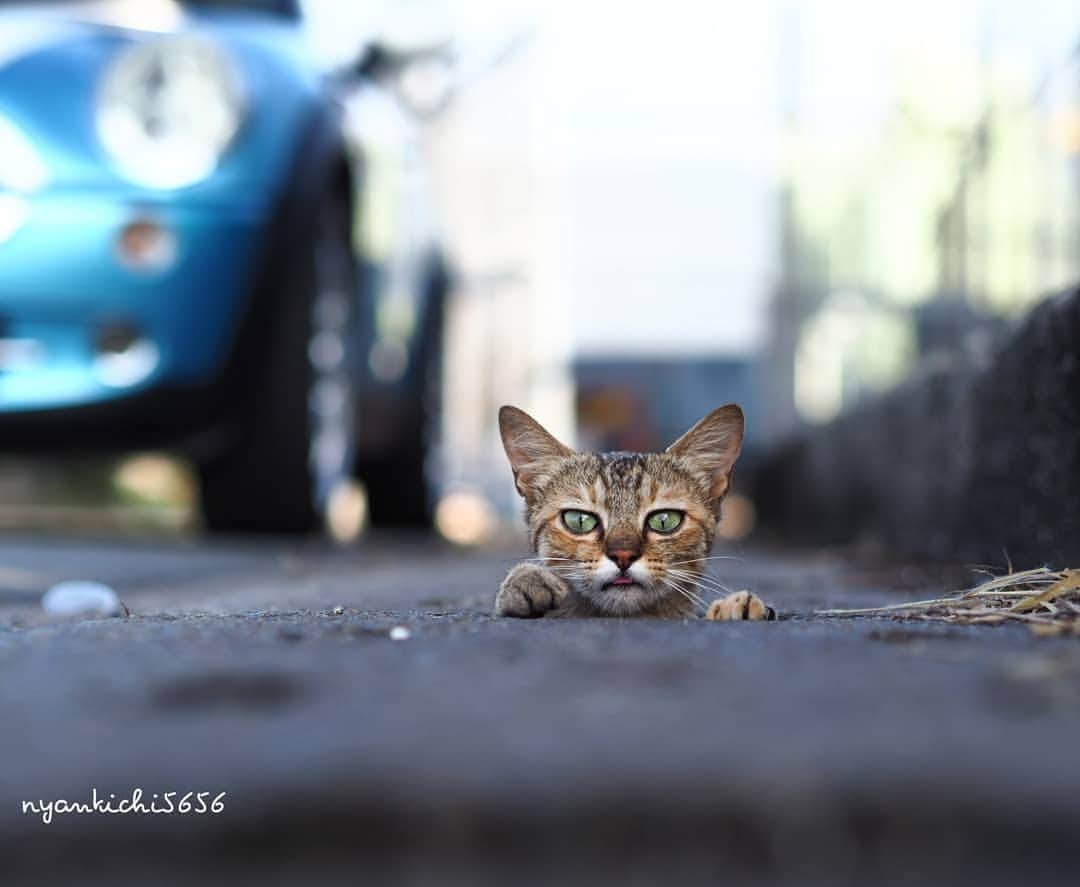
{"points": [[973, 460]]}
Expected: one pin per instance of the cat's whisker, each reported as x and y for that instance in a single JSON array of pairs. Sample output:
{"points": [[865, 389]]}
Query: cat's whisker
{"points": [[700, 573], [694, 599], [692, 575], [697, 575], [713, 584], [703, 581], [712, 587], [675, 585], [714, 557], [572, 575], [544, 560]]}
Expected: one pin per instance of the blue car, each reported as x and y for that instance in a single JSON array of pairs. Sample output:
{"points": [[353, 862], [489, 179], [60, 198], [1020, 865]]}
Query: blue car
{"points": [[209, 245]]}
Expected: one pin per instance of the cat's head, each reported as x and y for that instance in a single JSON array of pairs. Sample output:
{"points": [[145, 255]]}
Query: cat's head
{"points": [[629, 531]]}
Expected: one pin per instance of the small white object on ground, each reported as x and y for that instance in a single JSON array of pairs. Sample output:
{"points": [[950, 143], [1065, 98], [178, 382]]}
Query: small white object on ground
{"points": [[81, 598], [400, 633], [338, 611]]}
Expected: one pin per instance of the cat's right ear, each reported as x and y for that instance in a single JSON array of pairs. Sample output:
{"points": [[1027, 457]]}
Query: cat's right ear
{"points": [[711, 448], [532, 451]]}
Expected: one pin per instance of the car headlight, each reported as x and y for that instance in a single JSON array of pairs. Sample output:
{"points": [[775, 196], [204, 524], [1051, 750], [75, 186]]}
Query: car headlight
{"points": [[22, 171], [21, 167], [167, 110]]}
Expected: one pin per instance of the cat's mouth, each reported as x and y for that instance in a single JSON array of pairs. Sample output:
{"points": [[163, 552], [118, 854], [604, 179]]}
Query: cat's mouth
{"points": [[620, 582]]}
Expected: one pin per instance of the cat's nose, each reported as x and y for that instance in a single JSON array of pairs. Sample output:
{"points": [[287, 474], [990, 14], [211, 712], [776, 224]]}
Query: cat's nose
{"points": [[623, 557]]}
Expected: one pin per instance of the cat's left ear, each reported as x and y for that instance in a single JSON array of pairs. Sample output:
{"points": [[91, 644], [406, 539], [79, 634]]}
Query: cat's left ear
{"points": [[712, 446]]}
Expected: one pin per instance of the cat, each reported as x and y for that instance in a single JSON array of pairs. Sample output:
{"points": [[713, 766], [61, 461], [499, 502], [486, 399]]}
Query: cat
{"points": [[622, 534]]}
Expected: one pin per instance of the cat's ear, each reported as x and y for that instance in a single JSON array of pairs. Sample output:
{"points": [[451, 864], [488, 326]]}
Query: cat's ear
{"points": [[712, 446], [532, 451]]}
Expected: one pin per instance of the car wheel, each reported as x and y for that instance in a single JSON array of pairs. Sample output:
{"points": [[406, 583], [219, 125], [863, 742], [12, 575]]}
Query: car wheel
{"points": [[400, 485], [300, 441]]}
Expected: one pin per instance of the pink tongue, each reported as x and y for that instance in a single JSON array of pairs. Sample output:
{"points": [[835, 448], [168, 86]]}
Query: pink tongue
{"points": [[623, 580]]}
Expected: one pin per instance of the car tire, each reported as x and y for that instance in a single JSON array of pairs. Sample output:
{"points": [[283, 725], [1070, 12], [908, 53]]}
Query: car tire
{"points": [[299, 438], [400, 485]]}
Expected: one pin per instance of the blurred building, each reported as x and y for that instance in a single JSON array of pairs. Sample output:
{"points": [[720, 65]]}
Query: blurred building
{"points": [[608, 193], [644, 404], [932, 170]]}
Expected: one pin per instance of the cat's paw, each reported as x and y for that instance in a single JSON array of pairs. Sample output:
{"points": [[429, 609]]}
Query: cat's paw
{"points": [[738, 606], [529, 591]]}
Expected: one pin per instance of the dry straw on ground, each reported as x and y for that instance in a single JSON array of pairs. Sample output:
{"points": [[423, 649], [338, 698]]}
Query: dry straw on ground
{"points": [[1048, 601]]}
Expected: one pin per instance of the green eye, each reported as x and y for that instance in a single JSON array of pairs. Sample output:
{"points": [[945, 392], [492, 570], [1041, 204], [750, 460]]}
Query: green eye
{"points": [[579, 521], [664, 521]]}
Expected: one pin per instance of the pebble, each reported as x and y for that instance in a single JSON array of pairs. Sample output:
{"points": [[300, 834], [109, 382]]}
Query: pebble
{"points": [[400, 633], [81, 598], [338, 611]]}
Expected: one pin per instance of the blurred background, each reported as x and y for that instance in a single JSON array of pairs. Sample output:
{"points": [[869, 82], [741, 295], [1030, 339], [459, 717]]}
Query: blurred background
{"points": [[614, 216]]}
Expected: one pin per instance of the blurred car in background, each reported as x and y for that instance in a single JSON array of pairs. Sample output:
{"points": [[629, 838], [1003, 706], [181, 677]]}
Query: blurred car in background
{"points": [[209, 245]]}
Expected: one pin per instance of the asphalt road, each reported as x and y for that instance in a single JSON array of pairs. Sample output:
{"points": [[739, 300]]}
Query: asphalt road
{"points": [[482, 750]]}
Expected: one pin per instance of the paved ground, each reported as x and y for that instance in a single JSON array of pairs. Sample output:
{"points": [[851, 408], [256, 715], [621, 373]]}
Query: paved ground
{"points": [[805, 751]]}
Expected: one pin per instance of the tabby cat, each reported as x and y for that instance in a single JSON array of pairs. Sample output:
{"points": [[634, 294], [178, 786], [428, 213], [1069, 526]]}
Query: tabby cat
{"points": [[622, 534]]}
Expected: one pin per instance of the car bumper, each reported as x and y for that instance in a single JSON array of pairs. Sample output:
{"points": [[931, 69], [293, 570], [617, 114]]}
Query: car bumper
{"points": [[80, 326]]}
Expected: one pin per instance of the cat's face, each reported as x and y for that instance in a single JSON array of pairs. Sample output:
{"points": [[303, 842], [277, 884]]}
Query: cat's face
{"points": [[628, 531]]}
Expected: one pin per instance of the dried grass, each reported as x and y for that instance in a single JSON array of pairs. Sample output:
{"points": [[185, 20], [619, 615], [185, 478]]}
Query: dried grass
{"points": [[1047, 601]]}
